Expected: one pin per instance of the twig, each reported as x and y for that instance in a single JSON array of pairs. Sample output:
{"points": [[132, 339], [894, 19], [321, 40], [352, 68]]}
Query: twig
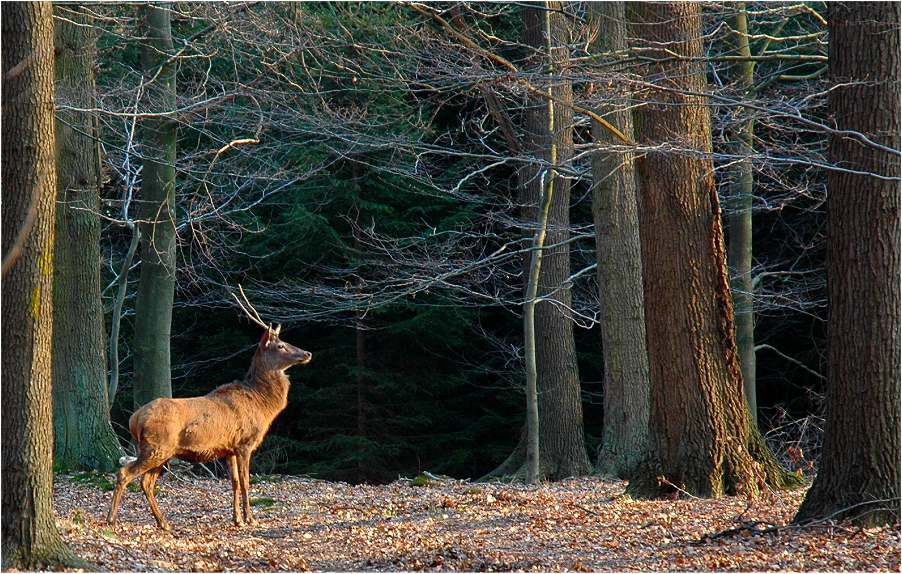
{"points": [[751, 525], [663, 480], [746, 526]]}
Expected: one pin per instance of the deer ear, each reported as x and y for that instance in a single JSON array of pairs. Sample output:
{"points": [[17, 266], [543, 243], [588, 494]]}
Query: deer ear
{"points": [[264, 339], [278, 330]]}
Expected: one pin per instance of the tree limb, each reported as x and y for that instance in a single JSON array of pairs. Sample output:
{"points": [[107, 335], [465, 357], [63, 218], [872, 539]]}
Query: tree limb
{"points": [[501, 61]]}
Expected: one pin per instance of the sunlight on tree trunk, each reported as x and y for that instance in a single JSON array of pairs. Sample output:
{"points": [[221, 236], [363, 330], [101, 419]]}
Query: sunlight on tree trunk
{"points": [[562, 446], [560, 428], [532, 288], [701, 439], [30, 539]]}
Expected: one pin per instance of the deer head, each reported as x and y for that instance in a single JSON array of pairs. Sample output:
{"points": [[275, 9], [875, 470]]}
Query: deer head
{"points": [[277, 355], [272, 352]]}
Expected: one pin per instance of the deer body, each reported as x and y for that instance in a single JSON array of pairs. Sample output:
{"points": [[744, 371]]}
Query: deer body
{"points": [[229, 421], [231, 418]]}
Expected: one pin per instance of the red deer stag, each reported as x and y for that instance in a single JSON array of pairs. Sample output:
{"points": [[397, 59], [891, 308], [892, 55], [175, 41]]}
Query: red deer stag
{"points": [[230, 421]]}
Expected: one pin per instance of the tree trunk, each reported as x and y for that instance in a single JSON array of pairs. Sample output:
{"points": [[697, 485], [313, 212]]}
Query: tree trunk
{"points": [[619, 253], [360, 376], [535, 271], [859, 471], [29, 536], [701, 439], [561, 440], [153, 309], [739, 254], [83, 436]]}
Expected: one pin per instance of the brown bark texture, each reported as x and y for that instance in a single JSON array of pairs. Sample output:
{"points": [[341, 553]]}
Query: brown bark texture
{"points": [[83, 436], [859, 471], [615, 212], [562, 444], [561, 441], [700, 436], [29, 536]]}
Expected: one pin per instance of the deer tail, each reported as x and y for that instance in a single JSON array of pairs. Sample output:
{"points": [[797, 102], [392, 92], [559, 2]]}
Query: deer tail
{"points": [[124, 460]]}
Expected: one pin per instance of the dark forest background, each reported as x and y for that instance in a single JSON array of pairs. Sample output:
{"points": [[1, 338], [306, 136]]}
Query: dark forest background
{"points": [[345, 193]]}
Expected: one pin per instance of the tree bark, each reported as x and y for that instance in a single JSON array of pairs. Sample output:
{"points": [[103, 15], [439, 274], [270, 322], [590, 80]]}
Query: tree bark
{"points": [[739, 254], [82, 431], [701, 438], [859, 471], [156, 288], [561, 440], [619, 252], [29, 536]]}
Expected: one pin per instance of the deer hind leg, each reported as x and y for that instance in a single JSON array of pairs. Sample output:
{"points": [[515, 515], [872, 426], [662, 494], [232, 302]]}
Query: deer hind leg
{"points": [[244, 471], [126, 474], [234, 474], [148, 484]]}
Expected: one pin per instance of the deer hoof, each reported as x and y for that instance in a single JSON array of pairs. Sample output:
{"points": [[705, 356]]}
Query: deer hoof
{"points": [[166, 527], [252, 522]]}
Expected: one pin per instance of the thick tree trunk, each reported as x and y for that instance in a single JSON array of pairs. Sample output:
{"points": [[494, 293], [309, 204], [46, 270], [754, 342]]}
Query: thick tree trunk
{"points": [[561, 440], [153, 309], [859, 472], [82, 431], [619, 253], [701, 438], [739, 254], [30, 539]]}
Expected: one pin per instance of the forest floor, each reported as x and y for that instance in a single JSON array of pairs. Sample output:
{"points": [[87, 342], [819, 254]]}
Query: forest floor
{"points": [[579, 525]]}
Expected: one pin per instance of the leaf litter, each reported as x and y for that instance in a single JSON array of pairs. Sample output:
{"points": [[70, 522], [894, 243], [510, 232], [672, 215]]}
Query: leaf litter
{"points": [[585, 524]]}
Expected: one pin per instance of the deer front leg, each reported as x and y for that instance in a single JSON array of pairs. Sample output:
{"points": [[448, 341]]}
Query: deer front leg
{"points": [[244, 468], [234, 474], [126, 474], [121, 483]]}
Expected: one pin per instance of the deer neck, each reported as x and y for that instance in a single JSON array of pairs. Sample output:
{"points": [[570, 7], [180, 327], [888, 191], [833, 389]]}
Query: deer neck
{"points": [[271, 387]]}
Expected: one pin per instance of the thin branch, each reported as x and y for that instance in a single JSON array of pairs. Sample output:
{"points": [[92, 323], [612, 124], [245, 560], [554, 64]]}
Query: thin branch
{"points": [[469, 43], [791, 360]]}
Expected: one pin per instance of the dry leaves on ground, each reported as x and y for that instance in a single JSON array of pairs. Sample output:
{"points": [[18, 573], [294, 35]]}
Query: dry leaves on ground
{"points": [[581, 524]]}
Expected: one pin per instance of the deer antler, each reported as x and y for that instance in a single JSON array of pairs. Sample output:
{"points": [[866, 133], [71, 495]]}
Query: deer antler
{"points": [[248, 309]]}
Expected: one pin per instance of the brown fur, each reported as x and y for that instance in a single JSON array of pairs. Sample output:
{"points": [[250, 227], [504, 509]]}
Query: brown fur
{"points": [[230, 421]]}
